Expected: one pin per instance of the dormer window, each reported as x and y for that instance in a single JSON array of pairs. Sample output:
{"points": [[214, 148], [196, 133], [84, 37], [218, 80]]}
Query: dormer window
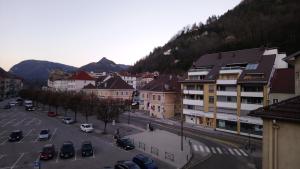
{"points": [[251, 66]]}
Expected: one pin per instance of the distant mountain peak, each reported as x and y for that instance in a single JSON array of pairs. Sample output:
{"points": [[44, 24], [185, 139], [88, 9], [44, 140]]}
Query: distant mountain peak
{"points": [[104, 65], [104, 60]]}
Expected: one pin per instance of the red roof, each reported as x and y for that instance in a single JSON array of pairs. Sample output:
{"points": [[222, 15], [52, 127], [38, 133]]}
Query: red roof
{"points": [[283, 81], [81, 75]]}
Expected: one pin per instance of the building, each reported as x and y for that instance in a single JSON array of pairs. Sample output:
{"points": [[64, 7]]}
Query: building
{"points": [[281, 134], [294, 60], [132, 80], [222, 88], [161, 97], [61, 81], [110, 87], [282, 85], [10, 85]]}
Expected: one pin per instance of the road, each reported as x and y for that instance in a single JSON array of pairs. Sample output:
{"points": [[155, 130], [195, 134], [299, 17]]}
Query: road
{"points": [[224, 154]]}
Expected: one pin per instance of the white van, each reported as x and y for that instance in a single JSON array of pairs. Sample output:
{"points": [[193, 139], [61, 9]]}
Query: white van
{"points": [[28, 103]]}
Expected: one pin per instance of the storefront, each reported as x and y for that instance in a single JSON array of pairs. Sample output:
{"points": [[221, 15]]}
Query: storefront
{"points": [[226, 123], [251, 126]]}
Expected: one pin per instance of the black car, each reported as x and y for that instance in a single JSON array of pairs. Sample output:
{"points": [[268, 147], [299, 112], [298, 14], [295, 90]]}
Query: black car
{"points": [[125, 143], [144, 162], [48, 152], [87, 149], [7, 106], [29, 108], [20, 101], [16, 135], [126, 165], [67, 150]]}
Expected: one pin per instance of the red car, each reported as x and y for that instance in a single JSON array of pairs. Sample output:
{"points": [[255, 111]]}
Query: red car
{"points": [[48, 152], [52, 114]]}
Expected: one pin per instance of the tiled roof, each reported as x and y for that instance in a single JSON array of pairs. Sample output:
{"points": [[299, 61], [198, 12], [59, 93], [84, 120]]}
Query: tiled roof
{"points": [[288, 110], [283, 81], [112, 82], [81, 75], [163, 83], [215, 61]]}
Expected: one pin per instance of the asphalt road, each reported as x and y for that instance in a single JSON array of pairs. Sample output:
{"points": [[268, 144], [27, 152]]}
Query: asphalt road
{"points": [[22, 154], [229, 156]]}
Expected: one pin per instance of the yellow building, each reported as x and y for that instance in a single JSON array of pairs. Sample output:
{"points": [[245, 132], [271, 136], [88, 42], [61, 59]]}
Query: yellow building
{"points": [[161, 97]]}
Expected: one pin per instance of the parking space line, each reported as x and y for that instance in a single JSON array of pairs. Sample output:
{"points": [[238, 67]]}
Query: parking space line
{"points": [[18, 123], [94, 156], [75, 158], [29, 132], [36, 140], [16, 162], [2, 143], [3, 132], [28, 123], [10, 121], [2, 155], [52, 135], [56, 161]]}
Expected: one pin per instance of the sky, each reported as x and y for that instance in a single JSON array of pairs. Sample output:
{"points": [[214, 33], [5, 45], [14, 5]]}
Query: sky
{"points": [[77, 32]]}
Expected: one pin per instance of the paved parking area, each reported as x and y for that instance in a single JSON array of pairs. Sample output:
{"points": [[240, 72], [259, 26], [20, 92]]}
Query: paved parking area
{"points": [[22, 154]]}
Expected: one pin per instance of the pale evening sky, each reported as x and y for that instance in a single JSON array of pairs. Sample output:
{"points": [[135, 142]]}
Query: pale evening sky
{"points": [[77, 32]]}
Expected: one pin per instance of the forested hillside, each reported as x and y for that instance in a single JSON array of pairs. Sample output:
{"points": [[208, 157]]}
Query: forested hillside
{"points": [[253, 23]]}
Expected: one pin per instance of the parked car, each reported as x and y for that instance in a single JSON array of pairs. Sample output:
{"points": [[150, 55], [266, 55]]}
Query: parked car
{"points": [[48, 152], [52, 114], [28, 103], [144, 162], [13, 103], [87, 149], [86, 127], [126, 165], [16, 135], [29, 108], [19, 101], [68, 120], [7, 106], [44, 134], [125, 143], [67, 150]]}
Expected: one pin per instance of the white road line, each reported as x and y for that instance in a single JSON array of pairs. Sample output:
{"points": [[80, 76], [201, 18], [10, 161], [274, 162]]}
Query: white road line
{"points": [[201, 148], [2, 143], [36, 140], [28, 132], [231, 152], [195, 147], [2, 155], [57, 157], [29, 122], [219, 150], [52, 135], [10, 121], [243, 152], [237, 152], [207, 149], [75, 156], [18, 123], [3, 132], [39, 122], [213, 150], [94, 156], [15, 163]]}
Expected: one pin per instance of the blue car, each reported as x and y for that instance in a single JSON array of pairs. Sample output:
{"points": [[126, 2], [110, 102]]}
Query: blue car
{"points": [[144, 162]]}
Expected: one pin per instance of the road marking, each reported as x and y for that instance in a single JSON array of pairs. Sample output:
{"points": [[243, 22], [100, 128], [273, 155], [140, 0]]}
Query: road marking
{"points": [[2, 155], [231, 152], [195, 147], [52, 135], [39, 122], [10, 121], [29, 132], [15, 163], [207, 149], [36, 140], [56, 161], [213, 150], [75, 156], [29, 122], [3, 132], [201, 148], [243, 152], [2, 143], [94, 156], [18, 123], [237, 152], [219, 150]]}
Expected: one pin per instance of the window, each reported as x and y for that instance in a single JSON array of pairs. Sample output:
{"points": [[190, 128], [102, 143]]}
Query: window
{"points": [[251, 66], [158, 97], [117, 93], [158, 108], [211, 88], [153, 97], [211, 99], [275, 101]]}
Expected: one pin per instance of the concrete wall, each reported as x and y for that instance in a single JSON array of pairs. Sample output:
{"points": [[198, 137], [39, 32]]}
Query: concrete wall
{"points": [[280, 97], [125, 94], [280, 145]]}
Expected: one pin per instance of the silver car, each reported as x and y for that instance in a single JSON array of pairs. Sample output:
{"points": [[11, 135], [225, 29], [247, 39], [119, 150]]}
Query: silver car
{"points": [[44, 134]]}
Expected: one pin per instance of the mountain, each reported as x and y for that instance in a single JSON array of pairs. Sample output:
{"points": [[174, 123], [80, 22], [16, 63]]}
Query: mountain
{"points": [[104, 65], [6, 74], [252, 23], [36, 71]]}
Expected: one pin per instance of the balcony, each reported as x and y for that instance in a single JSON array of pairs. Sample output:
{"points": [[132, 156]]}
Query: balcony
{"points": [[193, 102], [226, 93], [232, 105], [195, 73], [231, 71], [198, 113], [199, 92], [252, 94], [226, 82], [245, 106]]}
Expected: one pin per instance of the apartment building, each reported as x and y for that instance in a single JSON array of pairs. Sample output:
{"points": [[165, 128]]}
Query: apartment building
{"points": [[222, 88], [10, 85], [132, 80], [62, 81], [161, 97], [110, 87]]}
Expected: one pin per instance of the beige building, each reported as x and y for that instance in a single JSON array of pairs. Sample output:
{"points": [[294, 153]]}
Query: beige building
{"points": [[222, 88], [10, 85], [281, 136], [294, 60], [161, 97], [110, 87]]}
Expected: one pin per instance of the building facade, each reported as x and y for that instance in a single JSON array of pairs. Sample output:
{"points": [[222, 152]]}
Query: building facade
{"points": [[222, 88], [10, 85]]}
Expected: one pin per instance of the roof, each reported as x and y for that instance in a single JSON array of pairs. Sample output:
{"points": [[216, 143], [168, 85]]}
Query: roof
{"points": [[163, 83], [283, 81], [81, 75], [89, 86], [291, 58], [112, 82], [288, 110], [214, 62], [4, 74]]}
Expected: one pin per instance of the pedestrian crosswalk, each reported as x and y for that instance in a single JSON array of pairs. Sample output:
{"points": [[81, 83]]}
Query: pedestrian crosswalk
{"points": [[219, 150]]}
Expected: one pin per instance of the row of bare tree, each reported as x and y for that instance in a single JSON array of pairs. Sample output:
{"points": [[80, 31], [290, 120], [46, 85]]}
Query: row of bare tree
{"points": [[106, 109]]}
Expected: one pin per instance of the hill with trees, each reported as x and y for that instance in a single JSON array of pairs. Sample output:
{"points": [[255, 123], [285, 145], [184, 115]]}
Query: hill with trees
{"points": [[252, 23]]}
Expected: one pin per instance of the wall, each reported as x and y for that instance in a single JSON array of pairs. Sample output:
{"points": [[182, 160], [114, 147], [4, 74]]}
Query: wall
{"points": [[297, 76], [280, 96]]}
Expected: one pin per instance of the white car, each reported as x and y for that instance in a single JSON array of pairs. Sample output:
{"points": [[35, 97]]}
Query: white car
{"points": [[86, 127], [68, 120], [44, 134], [13, 103]]}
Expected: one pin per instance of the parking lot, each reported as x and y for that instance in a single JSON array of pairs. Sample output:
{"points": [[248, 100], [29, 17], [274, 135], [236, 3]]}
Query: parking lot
{"points": [[23, 153]]}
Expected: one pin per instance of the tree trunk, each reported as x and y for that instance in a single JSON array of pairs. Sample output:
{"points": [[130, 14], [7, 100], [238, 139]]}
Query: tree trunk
{"points": [[105, 124]]}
